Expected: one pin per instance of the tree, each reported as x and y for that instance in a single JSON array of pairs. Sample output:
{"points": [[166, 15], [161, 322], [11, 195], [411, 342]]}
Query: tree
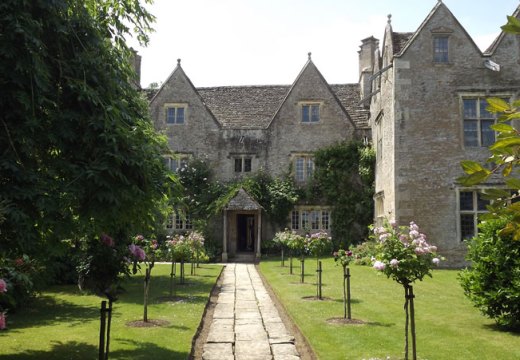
{"points": [[79, 156]]}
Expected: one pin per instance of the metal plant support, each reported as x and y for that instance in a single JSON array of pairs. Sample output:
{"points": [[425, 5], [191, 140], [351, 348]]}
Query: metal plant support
{"points": [[104, 329], [346, 293], [172, 279], [318, 283], [410, 319], [302, 260]]}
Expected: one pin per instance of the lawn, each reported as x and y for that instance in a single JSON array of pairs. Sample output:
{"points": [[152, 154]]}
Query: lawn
{"points": [[64, 324], [448, 326]]}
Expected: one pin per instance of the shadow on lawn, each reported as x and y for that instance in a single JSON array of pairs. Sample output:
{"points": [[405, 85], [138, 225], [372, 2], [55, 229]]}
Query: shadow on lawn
{"points": [[78, 351], [46, 310], [195, 290], [69, 350], [502, 329]]}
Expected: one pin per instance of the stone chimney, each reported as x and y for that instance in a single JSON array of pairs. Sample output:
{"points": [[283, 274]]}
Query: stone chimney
{"points": [[367, 61], [136, 64]]}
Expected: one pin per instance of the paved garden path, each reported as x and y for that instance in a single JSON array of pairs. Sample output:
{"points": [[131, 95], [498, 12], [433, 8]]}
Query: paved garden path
{"points": [[246, 324]]}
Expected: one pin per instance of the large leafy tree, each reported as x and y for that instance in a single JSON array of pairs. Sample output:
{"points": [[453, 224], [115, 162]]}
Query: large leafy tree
{"points": [[78, 154]]}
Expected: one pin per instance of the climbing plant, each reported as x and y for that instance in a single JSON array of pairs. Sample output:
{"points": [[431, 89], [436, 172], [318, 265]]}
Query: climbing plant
{"points": [[344, 178]]}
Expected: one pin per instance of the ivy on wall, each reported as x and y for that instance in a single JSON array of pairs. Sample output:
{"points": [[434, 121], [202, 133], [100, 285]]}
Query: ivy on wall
{"points": [[344, 179]]}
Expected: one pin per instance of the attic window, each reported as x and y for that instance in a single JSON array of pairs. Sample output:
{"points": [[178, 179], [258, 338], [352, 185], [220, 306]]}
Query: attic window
{"points": [[175, 114], [440, 49], [310, 113]]}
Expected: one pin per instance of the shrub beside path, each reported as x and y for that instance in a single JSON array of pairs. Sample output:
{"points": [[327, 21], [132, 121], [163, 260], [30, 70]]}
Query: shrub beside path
{"points": [[245, 323]]}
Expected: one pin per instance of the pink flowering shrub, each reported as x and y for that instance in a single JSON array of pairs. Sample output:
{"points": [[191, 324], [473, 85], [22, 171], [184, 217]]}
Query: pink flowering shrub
{"points": [[103, 261], [404, 253], [3, 286], [2, 321], [343, 257], [319, 243], [3, 289]]}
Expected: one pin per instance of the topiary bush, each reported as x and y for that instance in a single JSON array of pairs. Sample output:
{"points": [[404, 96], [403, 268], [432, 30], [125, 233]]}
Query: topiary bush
{"points": [[492, 282]]}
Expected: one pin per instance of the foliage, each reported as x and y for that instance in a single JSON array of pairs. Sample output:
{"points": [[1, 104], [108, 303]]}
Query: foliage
{"points": [[319, 243], [344, 176], [199, 192], [343, 257], [296, 243], [277, 196], [283, 238], [493, 281], [179, 247], [365, 252], [100, 268], [22, 279], [79, 155], [404, 254], [505, 158]]}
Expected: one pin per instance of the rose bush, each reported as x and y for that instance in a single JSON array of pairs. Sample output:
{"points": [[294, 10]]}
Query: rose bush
{"points": [[403, 253]]}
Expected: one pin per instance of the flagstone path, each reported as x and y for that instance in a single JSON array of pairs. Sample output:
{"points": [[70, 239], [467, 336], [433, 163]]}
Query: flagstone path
{"points": [[246, 324]]}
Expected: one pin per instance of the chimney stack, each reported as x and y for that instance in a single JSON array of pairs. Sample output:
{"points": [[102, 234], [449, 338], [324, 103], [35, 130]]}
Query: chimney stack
{"points": [[367, 61]]}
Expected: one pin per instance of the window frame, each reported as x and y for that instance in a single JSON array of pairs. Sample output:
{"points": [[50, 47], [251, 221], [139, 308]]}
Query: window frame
{"points": [[309, 116], [441, 55], [242, 163], [310, 218], [180, 161], [475, 210], [303, 167], [178, 221], [478, 119], [176, 107]]}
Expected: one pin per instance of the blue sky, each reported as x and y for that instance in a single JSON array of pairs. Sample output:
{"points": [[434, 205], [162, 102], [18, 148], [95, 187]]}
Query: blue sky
{"points": [[265, 42]]}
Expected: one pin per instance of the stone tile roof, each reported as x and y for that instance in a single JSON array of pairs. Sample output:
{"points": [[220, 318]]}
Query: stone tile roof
{"points": [[244, 107], [349, 96], [242, 201], [399, 40], [253, 107]]}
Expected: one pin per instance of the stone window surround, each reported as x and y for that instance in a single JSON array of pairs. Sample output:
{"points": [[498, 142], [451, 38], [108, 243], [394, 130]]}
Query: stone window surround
{"points": [[179, 221], [475, 211], [437, 33], [476, 95], [306, 156], [176, 105], [180, 159], [296, 215], [301, 104], [242, 156]]}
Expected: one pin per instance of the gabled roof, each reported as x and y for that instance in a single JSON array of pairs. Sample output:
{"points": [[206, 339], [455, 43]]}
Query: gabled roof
{"points": [[399, 40], [491, 49], [309, 66], [254, 107], [242, 201], [349, 97], [178, 69], [432, 13]]}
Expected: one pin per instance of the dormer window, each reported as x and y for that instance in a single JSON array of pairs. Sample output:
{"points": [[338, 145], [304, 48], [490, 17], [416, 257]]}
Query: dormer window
{"points": [[175, 113], [440, 49], [310, 113]]}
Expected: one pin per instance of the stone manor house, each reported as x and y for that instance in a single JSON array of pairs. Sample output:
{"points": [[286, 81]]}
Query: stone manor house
{"points": [[420, 101]]}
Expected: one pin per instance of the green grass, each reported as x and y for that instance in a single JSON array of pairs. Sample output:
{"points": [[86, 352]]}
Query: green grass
{"points": [[448, 326], [64, 324]]}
